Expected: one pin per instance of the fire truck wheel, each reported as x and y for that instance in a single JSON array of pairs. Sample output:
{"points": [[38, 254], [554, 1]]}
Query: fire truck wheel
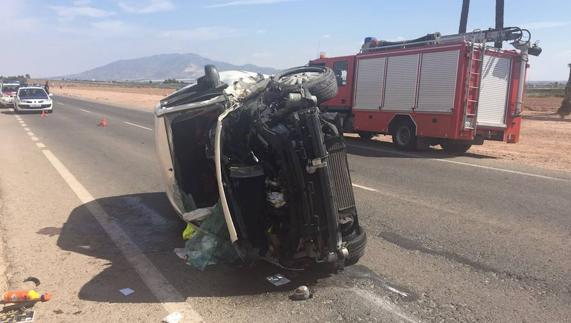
{"points": [[320, 81], [365, 135], [455, 147], [404, 136]]}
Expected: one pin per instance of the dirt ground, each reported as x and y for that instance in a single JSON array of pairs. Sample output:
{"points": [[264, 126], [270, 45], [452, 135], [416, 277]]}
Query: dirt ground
{"points": [[144, 98], [545, 138]]}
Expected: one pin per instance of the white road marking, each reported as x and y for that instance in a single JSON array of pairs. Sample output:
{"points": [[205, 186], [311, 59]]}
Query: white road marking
{"points": [[85, 110], [27, 129], [138, 207], [40, 145], [400, 153], [383, 303], [394, 290], [366, 188], [31, 134], [136, 125], [151, 276], [34, 138]]}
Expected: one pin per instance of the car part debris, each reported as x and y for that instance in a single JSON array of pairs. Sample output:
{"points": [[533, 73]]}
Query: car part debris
{"points": [[301, 293], [35, 280], [181, 253], [126, 291], [173, 317], [277, 280], [16, 314]]}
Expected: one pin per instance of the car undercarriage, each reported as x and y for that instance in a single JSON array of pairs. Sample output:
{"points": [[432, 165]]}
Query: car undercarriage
{"points": [[261, 149]]}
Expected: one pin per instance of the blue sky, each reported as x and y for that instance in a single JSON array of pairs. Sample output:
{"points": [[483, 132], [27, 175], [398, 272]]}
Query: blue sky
{"points": [[57, 37]]}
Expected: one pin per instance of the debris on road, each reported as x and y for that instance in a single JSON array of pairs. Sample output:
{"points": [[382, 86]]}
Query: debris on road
{"points": [[301, 293], [24, 296], [197, 215], [43, 114], [32, 279], [103, 122], [16, 315], [211, 243], [173, 317], [277, 280], [188, 231], [126, 291], [181, 253]]}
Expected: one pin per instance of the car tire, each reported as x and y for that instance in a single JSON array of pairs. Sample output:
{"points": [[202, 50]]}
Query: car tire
{"points": [[323, 85], [404, 136], [356, 244], [366, 135], [455, 147]]}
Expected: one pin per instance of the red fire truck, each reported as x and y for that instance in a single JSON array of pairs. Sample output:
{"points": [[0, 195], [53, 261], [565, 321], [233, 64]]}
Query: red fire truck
{"points": [[449, 90]]}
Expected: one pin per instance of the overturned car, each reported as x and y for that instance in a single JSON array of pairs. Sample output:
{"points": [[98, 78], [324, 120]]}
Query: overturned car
{"points": [[259, 150]]}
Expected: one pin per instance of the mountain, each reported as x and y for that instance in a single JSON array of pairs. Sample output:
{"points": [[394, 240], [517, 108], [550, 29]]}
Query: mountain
{"points": [[161, 67]]}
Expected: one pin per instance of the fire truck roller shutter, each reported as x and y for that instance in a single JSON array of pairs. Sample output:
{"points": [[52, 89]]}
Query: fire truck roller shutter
{"points": [[438, 76], [402, 77], [369, 85], [494, 91]]}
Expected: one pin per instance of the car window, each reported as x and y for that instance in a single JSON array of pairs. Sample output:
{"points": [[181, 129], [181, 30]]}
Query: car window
{"points": [[340, 70], [317, 64], [9, 88], [32, 94]]}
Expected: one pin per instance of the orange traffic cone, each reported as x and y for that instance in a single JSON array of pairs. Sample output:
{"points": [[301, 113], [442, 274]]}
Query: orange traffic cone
{"points": [[43, 115], [102, 122]]}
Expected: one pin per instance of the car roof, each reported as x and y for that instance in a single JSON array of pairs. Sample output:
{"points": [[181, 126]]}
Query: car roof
{"points": [[16, 84], [30, 87]]}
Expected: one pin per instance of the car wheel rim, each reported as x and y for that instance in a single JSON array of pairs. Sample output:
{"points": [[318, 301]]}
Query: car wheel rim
{"points": [[403, 136], [298, 78]]}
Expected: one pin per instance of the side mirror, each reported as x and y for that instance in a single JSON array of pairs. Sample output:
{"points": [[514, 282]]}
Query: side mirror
{"points": [[51, 94]]}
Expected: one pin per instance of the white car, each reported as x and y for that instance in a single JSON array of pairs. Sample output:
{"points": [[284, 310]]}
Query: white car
{"points": [[33, 98], [8, 92]]}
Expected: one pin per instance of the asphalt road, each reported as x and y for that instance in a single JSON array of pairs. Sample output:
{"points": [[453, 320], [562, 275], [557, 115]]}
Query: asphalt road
{"points": [[450, 238]]}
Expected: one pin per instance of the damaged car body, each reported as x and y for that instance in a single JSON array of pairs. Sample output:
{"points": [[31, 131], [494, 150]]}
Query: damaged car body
{"points": [[260, 149]]}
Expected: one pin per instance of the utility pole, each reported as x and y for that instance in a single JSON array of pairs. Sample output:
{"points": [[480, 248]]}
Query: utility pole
{"points": [[565, 108], [464, 16], [499, 19]]}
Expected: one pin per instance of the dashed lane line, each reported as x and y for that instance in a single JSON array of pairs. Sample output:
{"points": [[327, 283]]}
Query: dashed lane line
{"points": [[366, 188], [137, 125]]}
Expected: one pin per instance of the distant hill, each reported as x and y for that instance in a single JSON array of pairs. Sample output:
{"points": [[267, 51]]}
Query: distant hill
{"points": [[161, 67]]}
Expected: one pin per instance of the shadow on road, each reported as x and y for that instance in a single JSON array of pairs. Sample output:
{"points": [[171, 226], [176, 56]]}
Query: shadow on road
{"points": [[377, 148], [149, 221]]}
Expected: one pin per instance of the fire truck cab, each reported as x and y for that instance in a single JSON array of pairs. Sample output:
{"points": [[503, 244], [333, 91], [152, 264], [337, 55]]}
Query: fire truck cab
{"points": [[448, 90]]}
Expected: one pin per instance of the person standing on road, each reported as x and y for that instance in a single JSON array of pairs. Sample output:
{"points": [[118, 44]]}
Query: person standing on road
{"points": [[47, 87]]}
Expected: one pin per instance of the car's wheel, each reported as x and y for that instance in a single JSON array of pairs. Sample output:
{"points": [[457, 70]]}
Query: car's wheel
{"points": [[404, 136], [320, 81], [455, 147], [356, 246], [366, 135]]}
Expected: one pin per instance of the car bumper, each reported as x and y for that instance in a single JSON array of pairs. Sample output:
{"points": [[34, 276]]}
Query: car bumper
{"points": [[7, 101], [28, 107]]}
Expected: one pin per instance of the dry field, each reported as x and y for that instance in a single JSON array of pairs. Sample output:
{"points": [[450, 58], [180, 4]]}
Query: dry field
{"points": [[545, 138]]}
